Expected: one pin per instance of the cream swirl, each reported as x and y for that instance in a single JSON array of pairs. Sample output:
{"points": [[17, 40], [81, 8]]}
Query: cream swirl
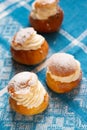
{"points": [[67, 79], [34, 98], [28, 90], [42, 9], [27, 39]]}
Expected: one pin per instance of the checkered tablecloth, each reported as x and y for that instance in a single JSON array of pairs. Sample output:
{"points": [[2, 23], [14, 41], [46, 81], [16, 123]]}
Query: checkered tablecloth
{"points": [[65, 111]]}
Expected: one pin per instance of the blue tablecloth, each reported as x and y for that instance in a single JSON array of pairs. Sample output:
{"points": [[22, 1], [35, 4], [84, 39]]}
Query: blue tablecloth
{"points": [[65, 111]]}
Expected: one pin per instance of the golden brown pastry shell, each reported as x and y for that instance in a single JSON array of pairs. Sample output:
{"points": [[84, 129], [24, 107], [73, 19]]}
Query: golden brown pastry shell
{"points": [[30, 57], [60, 87], [32, 111], [52, 24]]}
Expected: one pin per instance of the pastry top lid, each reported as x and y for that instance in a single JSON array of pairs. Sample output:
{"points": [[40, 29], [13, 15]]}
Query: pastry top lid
{"points": [[23, 35], [62, 64], [21, 82]]}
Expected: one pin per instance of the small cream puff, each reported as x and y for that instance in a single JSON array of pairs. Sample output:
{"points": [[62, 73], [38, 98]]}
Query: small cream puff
{"points": [[28, 47], [63, 72], [27, 95], [46, 16]]}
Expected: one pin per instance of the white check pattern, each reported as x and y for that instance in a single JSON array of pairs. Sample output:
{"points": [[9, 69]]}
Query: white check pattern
{"points": [[74, 41]]}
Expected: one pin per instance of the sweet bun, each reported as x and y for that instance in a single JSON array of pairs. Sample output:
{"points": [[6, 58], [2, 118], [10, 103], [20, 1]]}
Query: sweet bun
{"points": [[63, 72], [27, 95], [46, 16], [28, 47]]}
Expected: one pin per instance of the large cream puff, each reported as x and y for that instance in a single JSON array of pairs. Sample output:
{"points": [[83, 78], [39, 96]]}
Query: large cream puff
{"points": [[28, 47], [46, 16], [27, 95], [63, 72]]}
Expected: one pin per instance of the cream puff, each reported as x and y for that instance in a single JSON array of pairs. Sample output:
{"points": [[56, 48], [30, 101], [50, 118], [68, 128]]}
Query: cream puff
{"points": [[27, 95], [63, 72], [46, 16], [28, 47]]}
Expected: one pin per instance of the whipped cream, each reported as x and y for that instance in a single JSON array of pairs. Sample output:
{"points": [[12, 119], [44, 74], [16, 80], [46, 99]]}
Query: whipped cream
{"points": [[66, 79], [27, 39], [32, 99], [45, 9], [44, 2], [28, 89]]}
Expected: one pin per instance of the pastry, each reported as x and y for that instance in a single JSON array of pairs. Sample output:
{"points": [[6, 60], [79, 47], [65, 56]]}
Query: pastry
{"points": [[27, 95], [28, 47], [46, 16], [63, 72]]}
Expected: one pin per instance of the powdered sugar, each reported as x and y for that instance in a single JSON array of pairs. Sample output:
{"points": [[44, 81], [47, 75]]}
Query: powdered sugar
{"points": [[22, 82], [23, 35], [62, 61], [27, 39]]}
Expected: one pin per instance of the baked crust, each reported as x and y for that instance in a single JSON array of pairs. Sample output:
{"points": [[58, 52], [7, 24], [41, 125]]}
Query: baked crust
{"points": [[30, 57], [25, 111], [51, 24], [60, 87]]}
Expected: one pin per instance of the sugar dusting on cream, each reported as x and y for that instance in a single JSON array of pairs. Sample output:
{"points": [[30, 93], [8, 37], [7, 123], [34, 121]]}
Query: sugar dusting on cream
{"points": [[28, 89], [27, 39], [23, 35], [22, 82]]}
